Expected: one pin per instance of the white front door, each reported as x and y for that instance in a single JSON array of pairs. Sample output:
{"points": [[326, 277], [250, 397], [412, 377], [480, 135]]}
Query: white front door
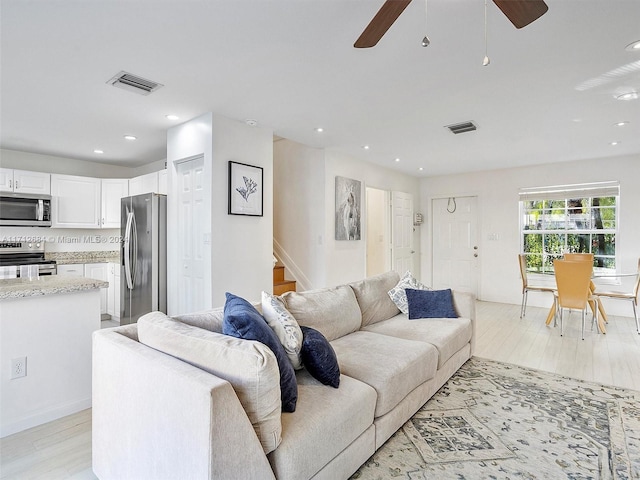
{"points": [[402, 251], [191, 246], [455, 244]]}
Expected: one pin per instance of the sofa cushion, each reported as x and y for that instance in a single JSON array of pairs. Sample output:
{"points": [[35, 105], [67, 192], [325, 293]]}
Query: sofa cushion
{"points": [[430, 304], [392, 366], [375, 303], [285, 327], [398, 294], [319, 358], [448, 335], [334, 312], [326, 422], [211, 320], [250, 367], [242, 320]]}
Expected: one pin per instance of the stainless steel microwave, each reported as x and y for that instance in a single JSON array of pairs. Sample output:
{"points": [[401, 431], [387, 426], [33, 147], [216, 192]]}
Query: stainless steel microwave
{"points": [[21, 209]]}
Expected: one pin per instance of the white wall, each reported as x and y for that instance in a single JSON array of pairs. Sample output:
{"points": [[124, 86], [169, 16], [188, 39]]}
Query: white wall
{"points": [[240, 247], [298, 203], [497, 193], [66, 166], [346, 260], [305, 217]]}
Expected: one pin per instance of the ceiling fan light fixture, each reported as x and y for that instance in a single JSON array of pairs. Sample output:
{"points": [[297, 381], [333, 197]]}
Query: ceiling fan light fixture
{"points": [[425, 41], [633, 46], [628, 96]]}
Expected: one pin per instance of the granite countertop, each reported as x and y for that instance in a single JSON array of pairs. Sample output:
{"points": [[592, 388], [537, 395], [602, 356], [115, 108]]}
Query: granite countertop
{"points": [[47, 285], [69, 258]]}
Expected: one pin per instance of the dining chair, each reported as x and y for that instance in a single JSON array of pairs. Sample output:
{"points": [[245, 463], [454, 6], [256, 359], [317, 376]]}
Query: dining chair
{"points": [[576, 257], [572, 280], [587, 257], [632, 296], [526, 288]]}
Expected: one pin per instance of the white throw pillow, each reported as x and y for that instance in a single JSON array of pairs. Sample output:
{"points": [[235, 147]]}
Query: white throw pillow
{"points": [[398, 294], [285, 327]]}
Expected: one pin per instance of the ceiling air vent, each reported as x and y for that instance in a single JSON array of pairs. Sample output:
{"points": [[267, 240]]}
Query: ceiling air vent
{"points": [[462, 127], [133, 83]]}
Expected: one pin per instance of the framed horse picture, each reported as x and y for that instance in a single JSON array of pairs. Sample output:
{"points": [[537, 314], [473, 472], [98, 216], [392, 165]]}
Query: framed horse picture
{"points": [[348, 208]]}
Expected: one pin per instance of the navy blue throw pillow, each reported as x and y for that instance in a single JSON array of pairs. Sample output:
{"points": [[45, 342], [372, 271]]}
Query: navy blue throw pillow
{"points": [[430, 304], [319, 358], [242, 320]]}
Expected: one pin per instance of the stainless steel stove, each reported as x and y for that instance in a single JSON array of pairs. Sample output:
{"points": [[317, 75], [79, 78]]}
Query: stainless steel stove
{"points": [[20, 258]]}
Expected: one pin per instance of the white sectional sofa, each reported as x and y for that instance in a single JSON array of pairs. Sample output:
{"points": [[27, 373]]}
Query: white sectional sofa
{"points": [[161, 412]]}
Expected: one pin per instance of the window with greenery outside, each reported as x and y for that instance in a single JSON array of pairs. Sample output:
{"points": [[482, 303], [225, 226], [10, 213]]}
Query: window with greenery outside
{"points": [[576, 225]]}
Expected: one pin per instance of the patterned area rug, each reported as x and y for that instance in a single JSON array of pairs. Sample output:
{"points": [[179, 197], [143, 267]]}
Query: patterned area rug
{"points": [[494, 420]]}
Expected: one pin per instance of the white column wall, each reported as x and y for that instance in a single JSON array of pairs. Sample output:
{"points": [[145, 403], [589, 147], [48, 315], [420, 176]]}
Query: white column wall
{"points": [[497, 192], [240, 246], [298, 218]]}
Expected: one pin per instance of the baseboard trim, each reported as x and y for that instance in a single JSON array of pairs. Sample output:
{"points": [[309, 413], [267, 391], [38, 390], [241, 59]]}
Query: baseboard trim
{"points": [[44, 416], [303, 283]]}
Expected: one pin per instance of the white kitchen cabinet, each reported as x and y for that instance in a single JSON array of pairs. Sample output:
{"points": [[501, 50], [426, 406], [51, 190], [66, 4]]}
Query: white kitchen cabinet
{"points": [[99, 271], [75, 270], [112, 190], [6, 180], [113, 300], [24, 181], [144, 184], [75, 201]]}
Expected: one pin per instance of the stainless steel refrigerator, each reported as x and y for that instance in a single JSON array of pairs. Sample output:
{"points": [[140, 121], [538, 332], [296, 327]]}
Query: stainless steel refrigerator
{"points": [[144, 256]]}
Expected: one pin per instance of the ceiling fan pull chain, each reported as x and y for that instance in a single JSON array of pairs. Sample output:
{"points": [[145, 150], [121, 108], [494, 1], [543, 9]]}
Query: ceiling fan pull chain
{"points": [[425, 40], [486, 60]]}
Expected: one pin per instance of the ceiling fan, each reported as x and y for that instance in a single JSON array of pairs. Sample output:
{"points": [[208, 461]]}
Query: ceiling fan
{"points": [[520, 12]]}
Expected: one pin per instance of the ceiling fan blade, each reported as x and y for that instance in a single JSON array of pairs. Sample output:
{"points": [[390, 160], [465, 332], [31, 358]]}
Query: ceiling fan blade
{"points": [[522, 12], [388, 13]]}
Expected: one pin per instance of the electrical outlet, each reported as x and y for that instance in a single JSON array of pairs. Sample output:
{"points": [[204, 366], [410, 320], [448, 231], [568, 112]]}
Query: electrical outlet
{"points": [[18, 367]]}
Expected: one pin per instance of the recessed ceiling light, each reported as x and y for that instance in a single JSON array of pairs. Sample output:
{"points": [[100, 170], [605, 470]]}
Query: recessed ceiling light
{"points": [[397, 160], [319, 129], [633, 47], [365, 147], [100, 152], [130, 137], [622, 124], [628, 96], [421, 169], [614, 143], [172, 117], [251, 122]]}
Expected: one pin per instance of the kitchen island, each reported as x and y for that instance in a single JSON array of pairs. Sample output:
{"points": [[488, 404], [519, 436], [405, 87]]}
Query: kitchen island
{"points": [[46, 326]]}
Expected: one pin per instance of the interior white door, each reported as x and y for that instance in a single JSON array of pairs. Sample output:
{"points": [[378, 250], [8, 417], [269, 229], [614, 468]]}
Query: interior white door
{"points": [[455, 244], [190, 192], [402, 251], [378, 227]]}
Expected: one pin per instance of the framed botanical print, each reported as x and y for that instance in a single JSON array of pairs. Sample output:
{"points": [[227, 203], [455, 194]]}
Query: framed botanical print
{"points": [[245, 189]]}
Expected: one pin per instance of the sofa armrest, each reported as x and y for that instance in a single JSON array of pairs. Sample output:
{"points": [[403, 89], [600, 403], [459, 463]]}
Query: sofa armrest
{"points": [[465, 305], [156, 417]]}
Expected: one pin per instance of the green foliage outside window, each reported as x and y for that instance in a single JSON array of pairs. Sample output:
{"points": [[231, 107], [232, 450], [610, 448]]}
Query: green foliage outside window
{"points": [[582, 225]]}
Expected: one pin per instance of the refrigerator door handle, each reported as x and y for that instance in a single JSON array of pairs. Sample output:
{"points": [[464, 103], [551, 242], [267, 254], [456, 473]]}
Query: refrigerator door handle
{"points": [[134, 233], [127, 251]]}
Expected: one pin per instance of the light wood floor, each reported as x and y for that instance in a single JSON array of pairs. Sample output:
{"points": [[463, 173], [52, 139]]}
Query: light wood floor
{"points": [[62, 449]]}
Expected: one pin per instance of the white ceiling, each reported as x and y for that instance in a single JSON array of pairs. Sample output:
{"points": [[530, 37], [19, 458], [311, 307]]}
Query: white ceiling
{"points": [[547, 96]]}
